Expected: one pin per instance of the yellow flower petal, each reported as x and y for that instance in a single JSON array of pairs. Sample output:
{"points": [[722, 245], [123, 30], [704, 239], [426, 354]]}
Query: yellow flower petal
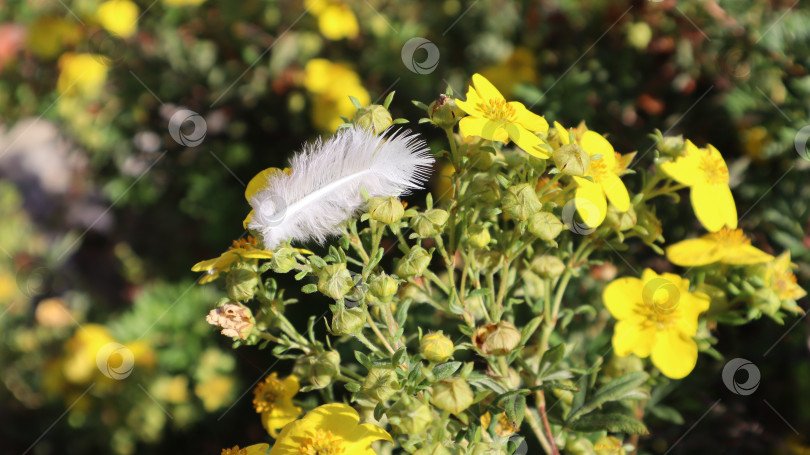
{"points": [[291, 386], [685, 169], [595, 144], [363, 435], [745, 255], [674, 353], [485, 89], [631, 336], [590, 202], [714, 206], [526, 140], [487, 129], [257, 449], [253, 253], [616, 191], [471, 105], [693, 252], [562, 133], [529, 119], [621, 297], [247, 220], [282, 413], [259, 181]]}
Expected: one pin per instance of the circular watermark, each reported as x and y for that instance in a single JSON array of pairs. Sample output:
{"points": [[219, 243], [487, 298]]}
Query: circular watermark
{"points": [[358, 294], [107, 48], [800, 142], [662, 295], [187, 128], [588, 212], [31, 278], [521, 447], [751, 382], [431, 59], [279, 207], [115, 361]]}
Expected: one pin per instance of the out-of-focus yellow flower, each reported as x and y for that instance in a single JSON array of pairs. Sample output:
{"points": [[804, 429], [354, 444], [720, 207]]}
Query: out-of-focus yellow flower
{"points": [[335, 19], [215, 392], [729, 246], [658, 317], [8, 288], [503, 427], [80, 365], [255, 449], [605, 172], [119, 17], [779, 275], [754, 141], [519, 68], [491, 117], [81, 75], [272, 398], [329, 429], [48, 35], [183, 2], [52, 312], [257, 183], [331, 84], [705, 172]]}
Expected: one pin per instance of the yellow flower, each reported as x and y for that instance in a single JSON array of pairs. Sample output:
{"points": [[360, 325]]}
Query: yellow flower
{"points": [[331, 84], [491, 117], [780, 277], [80, 365], [705, 172], [272, 398], [241, 249], [255, 449], [503, 427], [81, 74], [335, 19], [257, 183], [729, 246], [48, 35], [215, 392], [329, 429], [518, 68], [658, 317], [605, 173], [119, 17]]}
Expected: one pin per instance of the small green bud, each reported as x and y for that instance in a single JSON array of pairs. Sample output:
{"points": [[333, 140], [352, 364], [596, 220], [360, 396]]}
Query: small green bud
{"points": [[548, 266], [436, 347], [482, 160], [284, 260], [520, 201], [415, 263], [430, 223], [241, 282], [335, 281], [545, 225], [571, 159], [375, 118], [383, 287], [608, 445], [496, 339], [672, 146], [622, 221], [651, 226], [324, 368], [410, 416], [385, 209], [485, 189], [348, 321], [618, 366], [381, 383], [436, 448], [444, 112], [565, 396], [478, 236], [453, 395]]}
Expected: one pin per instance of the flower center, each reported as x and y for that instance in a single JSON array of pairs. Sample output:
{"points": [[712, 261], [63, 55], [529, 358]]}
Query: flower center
{"points": [[714, 168], [730, 237], [247, 243], [598, 169], [498, 110], [267, 393], [322, 443], [660, 299], [234, 451]]}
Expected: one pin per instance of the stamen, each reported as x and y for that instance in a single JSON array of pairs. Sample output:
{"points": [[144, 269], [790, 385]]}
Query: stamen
{"points": [[322, 443]]}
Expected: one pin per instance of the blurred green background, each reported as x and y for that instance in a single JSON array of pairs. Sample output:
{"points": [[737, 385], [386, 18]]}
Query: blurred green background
{"points": [[128, 130]]}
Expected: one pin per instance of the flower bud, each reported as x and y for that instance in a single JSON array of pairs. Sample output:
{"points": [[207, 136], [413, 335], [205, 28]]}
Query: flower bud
{"points": [[618, 366], [444, 112], [430, 223], [436, 347], [453, 395], [545, 225], [520, 201], [548, 266], [374, 118], [410, 416], [566, 397], [571, 159], [235, 320], [335, 281], [482, 159], [436, 448], [486, 189], [347, 321], [385, 209], [608, 445], [380, 383], [621, 221], [496, 339], [324, 368], [414, 264], [478, 236], [284, 260], [383, 287], [673, 146], [651, 226], [241, 282]]}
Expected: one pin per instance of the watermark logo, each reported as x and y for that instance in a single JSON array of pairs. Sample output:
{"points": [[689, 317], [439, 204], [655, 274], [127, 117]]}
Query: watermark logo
{"points": [[588, 212], [521, 447], [31, 278], [662, 295], [430, 61], [115, 361], [800, 142], [358, 292], [107, 48], [751, 382], [187, 128], [279, 207]]}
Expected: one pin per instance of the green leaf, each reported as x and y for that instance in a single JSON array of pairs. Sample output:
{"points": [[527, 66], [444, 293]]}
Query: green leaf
{"points": [[611, 422], [667, 413], [363, 359], [402, 311], [445, 370], [309, 288], [355, 102], [552, 358], [515, 408], [352, 387], [379, 411], [397, 358], [300, 275], [623, 387], [388, 99]]}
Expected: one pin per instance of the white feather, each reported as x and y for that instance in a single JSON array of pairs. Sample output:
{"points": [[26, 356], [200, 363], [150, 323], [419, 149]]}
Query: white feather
{"points": [[324, 188]]}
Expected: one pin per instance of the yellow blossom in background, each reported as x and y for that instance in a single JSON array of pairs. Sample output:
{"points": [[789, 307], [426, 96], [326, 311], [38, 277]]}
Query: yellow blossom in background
{"points": [[705, 172], [491, 117], [79, 366], [257, 183], [729, 246], [47, 35], [183, 2], [81, 75], [215, 392], [256, 449], [335, 19], [779, 276], [519, 68], [658, 317], [605, 172], [272, 398], [329, 429], [331, 84], [119, 17]]}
